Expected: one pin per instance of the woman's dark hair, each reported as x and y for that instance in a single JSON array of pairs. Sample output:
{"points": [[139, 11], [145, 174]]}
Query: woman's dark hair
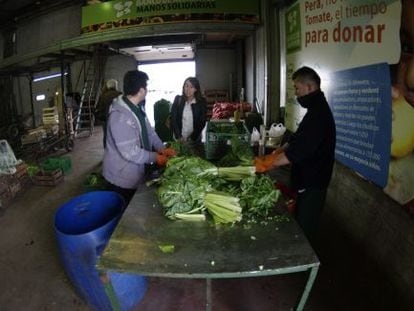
{"points": [[134, 80], [196, 84], [307, 75]]}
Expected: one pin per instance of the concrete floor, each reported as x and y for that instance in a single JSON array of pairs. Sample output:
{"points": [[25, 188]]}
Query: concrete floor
{"points": [[32, 277]]}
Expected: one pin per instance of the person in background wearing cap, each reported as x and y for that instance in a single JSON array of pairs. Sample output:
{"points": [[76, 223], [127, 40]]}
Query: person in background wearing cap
{"points": [[310, 150], [131, 140], [109, 92]]}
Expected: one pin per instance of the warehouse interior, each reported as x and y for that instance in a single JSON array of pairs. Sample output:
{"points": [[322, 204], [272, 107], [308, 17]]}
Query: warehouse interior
{"points": [[366, 239], [349, 278]]}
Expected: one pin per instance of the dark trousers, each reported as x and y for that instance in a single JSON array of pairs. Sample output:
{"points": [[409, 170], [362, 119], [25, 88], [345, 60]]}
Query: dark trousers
{"points": [[309, 207], [104, 133], [127, 194]]}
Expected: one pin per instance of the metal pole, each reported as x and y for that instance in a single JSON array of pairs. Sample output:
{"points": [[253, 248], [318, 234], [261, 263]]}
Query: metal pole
{"points": [[110, 292], [62, 84], [208, 294], [31, 100], [308, 287]]}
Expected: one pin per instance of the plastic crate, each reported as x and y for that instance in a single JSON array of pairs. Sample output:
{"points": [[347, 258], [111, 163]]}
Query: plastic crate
{"points": [[53, 163], [219, 135]]}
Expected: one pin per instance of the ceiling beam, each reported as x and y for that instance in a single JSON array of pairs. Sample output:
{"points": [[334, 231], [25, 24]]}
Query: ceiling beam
{"points": [[19, 13], [149, 32]]}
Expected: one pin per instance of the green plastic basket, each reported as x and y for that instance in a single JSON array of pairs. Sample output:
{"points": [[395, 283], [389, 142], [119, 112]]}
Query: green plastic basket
{"points": [[53, 163], [219, 135]]}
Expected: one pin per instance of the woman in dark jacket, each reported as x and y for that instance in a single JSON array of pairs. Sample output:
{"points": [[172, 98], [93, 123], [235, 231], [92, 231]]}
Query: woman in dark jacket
{"points": [[188, 113]]}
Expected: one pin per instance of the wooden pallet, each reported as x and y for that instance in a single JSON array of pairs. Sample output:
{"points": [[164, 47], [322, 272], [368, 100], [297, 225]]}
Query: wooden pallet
{"points": [[11, 185], [51, 178], [4, 183], [5, 199], [21, 170]]}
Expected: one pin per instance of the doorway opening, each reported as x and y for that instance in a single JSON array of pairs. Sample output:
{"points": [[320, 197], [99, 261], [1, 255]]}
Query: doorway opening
{"points": [[165, 82]]}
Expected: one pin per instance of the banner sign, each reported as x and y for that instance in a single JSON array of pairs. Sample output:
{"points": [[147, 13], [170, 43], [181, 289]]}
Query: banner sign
{"points": [[293, 29], [119, 13], [342, 34], [360, 103], [362, 49]]}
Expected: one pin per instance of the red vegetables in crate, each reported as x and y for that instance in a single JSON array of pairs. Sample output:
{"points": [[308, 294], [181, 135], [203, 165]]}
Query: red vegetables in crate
{"points": [[225, 110]]}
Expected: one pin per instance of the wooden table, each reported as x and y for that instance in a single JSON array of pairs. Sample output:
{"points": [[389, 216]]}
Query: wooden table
{"points": [[203, 250]]}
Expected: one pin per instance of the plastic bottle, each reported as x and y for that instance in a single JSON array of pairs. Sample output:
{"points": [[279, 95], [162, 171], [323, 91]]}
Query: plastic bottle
{"points": [[261, 148], [236, 116], [241, 103], [262, 141]]}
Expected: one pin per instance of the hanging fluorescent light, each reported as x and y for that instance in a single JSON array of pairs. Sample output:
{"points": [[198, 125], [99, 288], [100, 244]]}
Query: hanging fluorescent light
{"points": [[40, 97], [55, 75]]}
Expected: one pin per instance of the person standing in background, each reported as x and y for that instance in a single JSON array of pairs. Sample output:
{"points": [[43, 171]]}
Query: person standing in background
{"points": [[162, 118], [310, 150], [189, 114], [131, 139], [109, 92], [72, 102]]}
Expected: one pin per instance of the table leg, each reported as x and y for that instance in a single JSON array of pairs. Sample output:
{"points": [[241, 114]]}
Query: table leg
{"points": [[110, 292], [308, 287], [208, 294]]}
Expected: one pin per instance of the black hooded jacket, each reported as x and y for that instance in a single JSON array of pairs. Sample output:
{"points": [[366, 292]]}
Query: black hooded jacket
{"points": [[311, 148]]}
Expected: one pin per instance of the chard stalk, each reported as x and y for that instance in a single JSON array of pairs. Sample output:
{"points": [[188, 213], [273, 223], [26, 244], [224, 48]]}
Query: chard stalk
{"points": [[224, 205], [209, 171], [225, 216], [236, 173], [190, 217]]}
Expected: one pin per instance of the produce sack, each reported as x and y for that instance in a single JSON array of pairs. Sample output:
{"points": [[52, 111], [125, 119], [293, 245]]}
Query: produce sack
{"points": [[277, 130], [8, 160], [255, 136]]}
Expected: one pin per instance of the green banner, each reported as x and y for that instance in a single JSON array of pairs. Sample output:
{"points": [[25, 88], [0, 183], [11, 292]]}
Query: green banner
{"points": [[293, 29], [120, 13]]}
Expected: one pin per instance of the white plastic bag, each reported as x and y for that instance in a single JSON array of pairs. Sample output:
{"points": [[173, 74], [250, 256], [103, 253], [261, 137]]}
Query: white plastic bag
{"points": [[8, 160], [277, 130], [255, 136]]}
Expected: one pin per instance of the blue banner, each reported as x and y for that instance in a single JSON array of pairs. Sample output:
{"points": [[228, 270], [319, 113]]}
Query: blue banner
{"points": [[360, 99]]}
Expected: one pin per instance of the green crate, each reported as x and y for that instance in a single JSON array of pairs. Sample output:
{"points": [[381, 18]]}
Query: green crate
{"points": [[219, 135], [53, 163]]}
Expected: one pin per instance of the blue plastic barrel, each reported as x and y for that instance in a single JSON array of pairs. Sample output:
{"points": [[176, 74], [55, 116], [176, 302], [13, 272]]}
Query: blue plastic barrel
{"points": [[83, 227]]}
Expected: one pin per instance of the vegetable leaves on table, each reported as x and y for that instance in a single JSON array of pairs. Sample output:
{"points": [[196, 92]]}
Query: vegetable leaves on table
{"points": [[191, 188]]}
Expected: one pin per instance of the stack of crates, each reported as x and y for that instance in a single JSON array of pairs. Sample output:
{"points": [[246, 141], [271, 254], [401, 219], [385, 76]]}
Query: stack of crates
{"points": [[219, 136], [50, 116], [34, 136]]}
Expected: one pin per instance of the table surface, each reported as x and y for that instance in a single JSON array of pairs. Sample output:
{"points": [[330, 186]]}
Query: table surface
{"points": [[201, 249]]}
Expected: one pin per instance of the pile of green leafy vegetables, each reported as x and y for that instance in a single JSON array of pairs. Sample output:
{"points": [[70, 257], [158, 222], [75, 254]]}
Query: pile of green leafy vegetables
{"points": [[181, 148], [240, 153], [192, 188]]}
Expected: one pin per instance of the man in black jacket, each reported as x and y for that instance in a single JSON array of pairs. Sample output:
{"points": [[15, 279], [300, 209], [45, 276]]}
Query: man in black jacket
{"points": [[310, 150]]}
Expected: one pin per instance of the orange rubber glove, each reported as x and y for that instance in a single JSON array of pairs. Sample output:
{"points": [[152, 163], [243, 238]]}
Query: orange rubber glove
{"points": [[168, 152], [161, 159], [259, 166], [264, 163]]}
